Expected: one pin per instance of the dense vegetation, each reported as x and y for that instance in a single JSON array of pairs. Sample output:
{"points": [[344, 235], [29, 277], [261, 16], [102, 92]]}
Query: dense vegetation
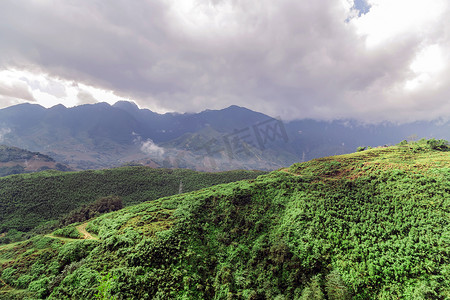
{"points": [[423, 144], [16, 169], [86, 212], [41, 199], [368, 225]]}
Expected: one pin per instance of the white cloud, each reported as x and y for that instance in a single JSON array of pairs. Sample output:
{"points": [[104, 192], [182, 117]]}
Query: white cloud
{"points": [[13, 88], [427, 68], [26, 86], [204, 17], [429, 60], [150, 148], [297, 59], [390, 20]]}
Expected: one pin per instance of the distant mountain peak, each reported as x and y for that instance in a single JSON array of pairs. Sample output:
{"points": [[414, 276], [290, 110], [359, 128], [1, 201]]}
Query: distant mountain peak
{"points": [[58, 107], [233, 110], [126, 105], [25, 105], [235, 107]]}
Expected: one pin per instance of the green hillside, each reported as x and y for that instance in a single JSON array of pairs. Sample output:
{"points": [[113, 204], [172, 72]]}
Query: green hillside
{"points": [[368, 225], [31, 200]]}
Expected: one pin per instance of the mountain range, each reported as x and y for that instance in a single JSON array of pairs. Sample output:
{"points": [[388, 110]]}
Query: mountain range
{"points": [[100, 135]]}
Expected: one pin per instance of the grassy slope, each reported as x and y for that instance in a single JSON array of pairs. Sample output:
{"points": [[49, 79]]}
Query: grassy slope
{"points": [[28, 200], [373, 224]]}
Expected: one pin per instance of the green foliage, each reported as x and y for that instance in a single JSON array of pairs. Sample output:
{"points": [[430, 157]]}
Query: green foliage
{"points": [[441, 145], [314, 290], [86, 212], [69, 232], [104, 288], [424, 144], [368, 225], [75, 251], [17, 169], [361, 148], [29, 201], [335, 286], [81, 284], [39, 287], [13, 235], [67, 270], [8, 275]]}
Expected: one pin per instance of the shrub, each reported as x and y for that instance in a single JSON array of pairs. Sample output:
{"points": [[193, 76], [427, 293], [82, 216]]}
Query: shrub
{"points": [[39, 287], [69, 232], [441, 145], [335, 286], [23, 281], [313, 291], [100, 206], [8, 275], [81, 284], [75, 251], [361, 148]]}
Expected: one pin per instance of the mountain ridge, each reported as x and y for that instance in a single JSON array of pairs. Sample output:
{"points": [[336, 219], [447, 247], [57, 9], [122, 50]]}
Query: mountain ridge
{"points": [[95, 136]]}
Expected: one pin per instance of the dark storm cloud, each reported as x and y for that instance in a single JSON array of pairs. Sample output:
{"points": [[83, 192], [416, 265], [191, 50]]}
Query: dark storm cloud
{"points": [[290, 58]]}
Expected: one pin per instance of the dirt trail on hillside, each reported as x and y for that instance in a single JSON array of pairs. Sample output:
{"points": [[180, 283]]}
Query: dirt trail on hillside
{"points": [[86, 235]]}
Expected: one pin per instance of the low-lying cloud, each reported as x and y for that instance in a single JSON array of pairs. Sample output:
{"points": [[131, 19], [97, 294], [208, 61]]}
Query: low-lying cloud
{"points": [[148, 146], [3, 133]]}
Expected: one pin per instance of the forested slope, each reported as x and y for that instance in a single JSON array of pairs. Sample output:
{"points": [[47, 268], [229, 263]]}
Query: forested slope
{"points": [[30, 200], [368, 225]]}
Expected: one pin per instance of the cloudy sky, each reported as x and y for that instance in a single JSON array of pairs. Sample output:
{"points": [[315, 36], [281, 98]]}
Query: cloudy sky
{"points": [[371, 60]]}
